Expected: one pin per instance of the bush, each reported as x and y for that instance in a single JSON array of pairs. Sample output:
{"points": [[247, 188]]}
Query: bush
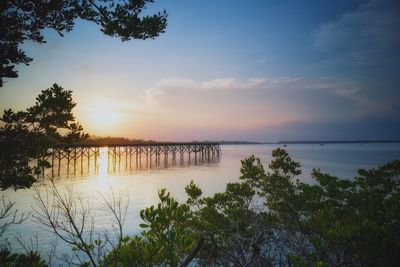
{"points": [[9, 259], [271, 218]]}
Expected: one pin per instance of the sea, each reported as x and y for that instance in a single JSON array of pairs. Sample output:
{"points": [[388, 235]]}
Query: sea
{"points": [[139, 188]]}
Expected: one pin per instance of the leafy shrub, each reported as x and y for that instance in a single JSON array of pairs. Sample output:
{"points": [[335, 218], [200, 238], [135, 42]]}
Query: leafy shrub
{"points": [[270, 218], [9, 259]]}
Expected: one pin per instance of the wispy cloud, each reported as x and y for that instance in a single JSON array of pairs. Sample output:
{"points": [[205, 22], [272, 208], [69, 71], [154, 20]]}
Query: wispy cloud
{"points": [[338, 87], [230, 103], [235, 107], [232, 84], [364, 37], [188, 85], [215, 84], [334, 86]]}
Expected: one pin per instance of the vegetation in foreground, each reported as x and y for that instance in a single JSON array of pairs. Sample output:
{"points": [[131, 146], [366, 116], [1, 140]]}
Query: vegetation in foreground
{"points": [[271, 218], [268, 218]]}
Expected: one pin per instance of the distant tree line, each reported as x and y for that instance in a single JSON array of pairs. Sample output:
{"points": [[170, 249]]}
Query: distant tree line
{"points": [[108, 140]]}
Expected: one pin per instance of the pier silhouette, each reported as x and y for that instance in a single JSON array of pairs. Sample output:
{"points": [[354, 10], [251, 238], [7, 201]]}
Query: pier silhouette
{"points": [[81, 160]]}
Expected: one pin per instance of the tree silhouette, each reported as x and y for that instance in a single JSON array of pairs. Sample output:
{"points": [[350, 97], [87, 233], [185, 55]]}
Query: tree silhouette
{"points": [[22, 20], [28, 135]]}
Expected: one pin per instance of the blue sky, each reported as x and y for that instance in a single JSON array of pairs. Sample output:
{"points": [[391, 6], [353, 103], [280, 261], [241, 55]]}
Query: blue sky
{"points": [[237, 70]]}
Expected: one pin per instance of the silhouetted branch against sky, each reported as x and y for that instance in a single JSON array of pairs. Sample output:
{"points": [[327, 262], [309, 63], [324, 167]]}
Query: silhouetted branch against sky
{"points": [[23, 20]]}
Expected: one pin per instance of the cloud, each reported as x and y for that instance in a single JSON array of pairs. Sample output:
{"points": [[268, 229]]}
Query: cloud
{"points": [[256, 108], [216, 84], [187, 85], [231, 84], [334, 86], [363, 37], [338, 87], [230, 103]]}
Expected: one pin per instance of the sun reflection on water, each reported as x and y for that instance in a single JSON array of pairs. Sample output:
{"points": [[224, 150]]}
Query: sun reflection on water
{"points": [[102, 179], [103, 162]]}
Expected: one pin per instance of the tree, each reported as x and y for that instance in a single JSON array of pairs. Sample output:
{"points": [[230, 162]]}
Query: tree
{"points": [[22, 20], [70, 218], [333, 221], [167, 240], [28, 135], [9, 216]]}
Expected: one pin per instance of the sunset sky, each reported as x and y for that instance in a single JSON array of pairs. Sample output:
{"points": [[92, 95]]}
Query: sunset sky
{"points": [[231, 70]]}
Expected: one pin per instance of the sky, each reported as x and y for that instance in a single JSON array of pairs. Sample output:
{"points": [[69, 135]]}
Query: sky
{"points": [[231, 70]]}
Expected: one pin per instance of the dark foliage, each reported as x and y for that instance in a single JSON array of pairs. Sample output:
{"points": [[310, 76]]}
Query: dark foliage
{"points": [[9, 259], [273, 219], [27, 135], [94, 140]]}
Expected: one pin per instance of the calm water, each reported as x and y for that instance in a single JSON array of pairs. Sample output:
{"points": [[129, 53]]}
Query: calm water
{"points": [[341, 160]]}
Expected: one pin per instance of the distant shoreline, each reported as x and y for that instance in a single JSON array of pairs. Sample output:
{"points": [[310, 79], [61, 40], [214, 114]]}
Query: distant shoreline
{"points": [[121, 140], [340, 142], [308, 142]]}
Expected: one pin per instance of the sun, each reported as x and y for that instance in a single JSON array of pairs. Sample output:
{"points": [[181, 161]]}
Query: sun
{"points": [[104, 115]]}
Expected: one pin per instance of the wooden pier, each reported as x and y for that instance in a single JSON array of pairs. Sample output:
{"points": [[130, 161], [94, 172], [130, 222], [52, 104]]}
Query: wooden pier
{"points": [[80, 160]]}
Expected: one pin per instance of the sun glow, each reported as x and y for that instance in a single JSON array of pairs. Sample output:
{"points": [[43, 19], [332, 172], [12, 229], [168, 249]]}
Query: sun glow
{"points": [[104, 115]]}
